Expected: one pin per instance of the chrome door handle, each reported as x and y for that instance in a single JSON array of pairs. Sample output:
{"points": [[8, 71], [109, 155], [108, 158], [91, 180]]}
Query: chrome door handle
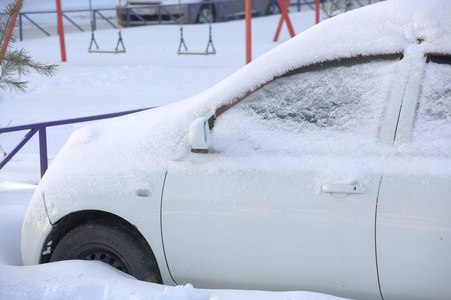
{"points": [[343, 188]]}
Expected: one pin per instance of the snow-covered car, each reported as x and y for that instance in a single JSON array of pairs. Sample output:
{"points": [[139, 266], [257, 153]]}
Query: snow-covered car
{"points": [[140, 12], [323, 165]]}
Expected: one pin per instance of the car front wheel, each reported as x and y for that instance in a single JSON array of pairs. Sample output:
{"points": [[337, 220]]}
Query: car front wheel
{"points": [[110, 243]]}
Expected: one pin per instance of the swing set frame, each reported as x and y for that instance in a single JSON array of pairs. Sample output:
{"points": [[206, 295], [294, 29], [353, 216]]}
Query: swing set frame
{"points": [[182, 41], [120, 42]]}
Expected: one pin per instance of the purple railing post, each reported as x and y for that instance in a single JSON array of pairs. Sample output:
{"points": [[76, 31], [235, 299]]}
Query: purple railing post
{"points": [[127, 16], [43, 149]]}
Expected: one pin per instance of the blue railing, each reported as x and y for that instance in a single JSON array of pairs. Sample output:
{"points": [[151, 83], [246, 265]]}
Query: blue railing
{"points": [[96, 14], [42, 129]]}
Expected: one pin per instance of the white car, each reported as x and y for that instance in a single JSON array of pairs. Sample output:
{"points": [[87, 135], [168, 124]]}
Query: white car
{"points": [[138, 12], [324, 165]]}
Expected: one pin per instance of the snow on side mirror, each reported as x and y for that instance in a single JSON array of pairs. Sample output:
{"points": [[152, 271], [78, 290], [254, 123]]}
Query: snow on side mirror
{"points": [[199, 135]]}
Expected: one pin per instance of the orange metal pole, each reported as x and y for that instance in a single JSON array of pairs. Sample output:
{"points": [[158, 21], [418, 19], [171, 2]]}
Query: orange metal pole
{"points": [[248, 9], [9, 31], [284, 16], [61, 29], [317, 11]]}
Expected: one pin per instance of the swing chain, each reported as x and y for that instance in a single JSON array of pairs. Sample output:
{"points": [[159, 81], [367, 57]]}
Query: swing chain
{"points": [[120, 42], [93, 40], [182, 41], [210, 39]]}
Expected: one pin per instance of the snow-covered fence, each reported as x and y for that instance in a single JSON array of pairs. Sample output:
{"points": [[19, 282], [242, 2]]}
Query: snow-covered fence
{"points": [[42, 129]]}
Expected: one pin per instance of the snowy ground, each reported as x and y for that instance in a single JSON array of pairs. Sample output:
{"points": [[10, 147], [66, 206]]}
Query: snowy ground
{"points": [[149, 74]]}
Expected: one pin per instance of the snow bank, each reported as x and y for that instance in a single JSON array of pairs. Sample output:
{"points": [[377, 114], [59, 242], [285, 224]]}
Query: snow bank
{"points": [[97, 280]]}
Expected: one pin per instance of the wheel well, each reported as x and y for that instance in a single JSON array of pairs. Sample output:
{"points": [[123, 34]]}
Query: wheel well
{"points": [[73, 220]]}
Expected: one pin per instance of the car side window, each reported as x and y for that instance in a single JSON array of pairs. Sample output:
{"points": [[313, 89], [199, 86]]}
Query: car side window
{"points": [[331, 105], [432, 129]]}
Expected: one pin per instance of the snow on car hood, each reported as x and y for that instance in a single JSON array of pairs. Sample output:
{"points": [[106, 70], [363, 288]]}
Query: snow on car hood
{"points": [[122, 155]]}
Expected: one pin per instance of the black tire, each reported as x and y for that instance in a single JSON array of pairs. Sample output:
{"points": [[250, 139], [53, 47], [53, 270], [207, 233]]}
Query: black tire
{"points": [[205, 13], [113, 244]]}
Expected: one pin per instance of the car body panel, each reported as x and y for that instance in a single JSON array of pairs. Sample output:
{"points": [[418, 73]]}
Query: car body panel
{"points": [[242, 208], [414, 209], [414, 237], [35, 229], [273, 230], [125, 207], [146, 200]]}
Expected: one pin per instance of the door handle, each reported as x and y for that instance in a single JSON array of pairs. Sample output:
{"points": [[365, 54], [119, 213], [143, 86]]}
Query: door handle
{"points": [[343, 188]]}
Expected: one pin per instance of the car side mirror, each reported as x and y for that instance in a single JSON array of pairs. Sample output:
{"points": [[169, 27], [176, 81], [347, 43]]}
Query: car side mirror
{"points": [[199, 135]]}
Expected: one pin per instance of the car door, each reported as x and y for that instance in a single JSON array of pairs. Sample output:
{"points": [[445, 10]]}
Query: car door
{"points": [[414, 211], [285, 199]]}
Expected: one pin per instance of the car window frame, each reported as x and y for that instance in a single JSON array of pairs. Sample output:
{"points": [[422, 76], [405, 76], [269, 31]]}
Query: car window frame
{"points": [[350, 60]]}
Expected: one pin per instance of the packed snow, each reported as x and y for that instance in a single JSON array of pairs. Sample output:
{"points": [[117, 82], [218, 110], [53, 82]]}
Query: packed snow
{"points": [[151, 74]]}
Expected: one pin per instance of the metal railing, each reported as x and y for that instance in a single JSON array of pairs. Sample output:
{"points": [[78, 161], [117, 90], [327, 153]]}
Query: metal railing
{"points": [[96, 14], [42, 129], [163, 13]]}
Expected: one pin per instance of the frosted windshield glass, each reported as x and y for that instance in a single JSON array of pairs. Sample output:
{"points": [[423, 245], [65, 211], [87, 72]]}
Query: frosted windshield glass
{"points": [[335, 105]]}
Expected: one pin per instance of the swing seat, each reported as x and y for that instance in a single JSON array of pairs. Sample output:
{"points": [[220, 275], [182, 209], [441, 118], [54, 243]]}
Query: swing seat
{"points": [[106, 51], [196, 53]]}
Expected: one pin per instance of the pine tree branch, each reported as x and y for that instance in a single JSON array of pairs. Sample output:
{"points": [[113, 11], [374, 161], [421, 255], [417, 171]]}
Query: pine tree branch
{"points": [[16, 64], [23, 65]]}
